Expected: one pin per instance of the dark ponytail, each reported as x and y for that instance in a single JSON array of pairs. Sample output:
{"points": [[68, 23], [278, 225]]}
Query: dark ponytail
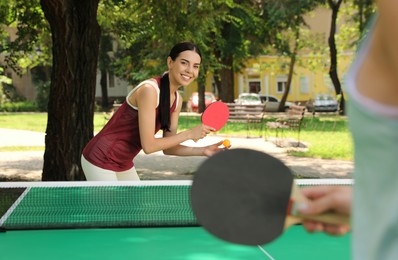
{"points": [[164, 102], [164, 99]]}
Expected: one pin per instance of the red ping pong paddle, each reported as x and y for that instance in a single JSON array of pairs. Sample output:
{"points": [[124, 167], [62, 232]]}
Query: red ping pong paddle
{"points": [[216, 115], [245, 196]]}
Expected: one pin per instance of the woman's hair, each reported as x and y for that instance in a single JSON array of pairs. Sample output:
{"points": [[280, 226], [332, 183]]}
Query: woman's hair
{"points": [[164, 99]]}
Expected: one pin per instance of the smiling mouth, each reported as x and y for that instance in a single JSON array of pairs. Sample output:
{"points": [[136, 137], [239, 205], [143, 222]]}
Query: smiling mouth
{"points": [[185, 77]]}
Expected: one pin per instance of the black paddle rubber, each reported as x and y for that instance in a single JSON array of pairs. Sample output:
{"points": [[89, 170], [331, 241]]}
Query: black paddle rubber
{"points": [[242, 195]]}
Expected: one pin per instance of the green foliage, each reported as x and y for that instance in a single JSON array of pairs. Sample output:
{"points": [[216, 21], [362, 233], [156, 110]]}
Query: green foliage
{"points": [[43, 91], [32, 43], [11, 94], [3, 81], [365, 10], [18, 107], [147, 30]]}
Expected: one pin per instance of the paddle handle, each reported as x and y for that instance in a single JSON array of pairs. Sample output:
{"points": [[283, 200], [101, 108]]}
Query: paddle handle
{"points": [[328, 218]]}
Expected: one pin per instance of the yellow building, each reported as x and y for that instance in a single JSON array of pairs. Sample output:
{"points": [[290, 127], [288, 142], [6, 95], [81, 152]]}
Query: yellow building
{"points": [[267, 75]]}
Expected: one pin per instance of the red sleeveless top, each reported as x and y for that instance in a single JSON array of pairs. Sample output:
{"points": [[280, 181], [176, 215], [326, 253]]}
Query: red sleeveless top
{"points": [[117, 144]]}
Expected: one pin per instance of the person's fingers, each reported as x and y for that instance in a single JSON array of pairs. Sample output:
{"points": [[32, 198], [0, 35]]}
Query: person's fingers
{"points": [[316, 192], [209, 128], [314, 207], [313, 226], [324, 199], [337, 230]]}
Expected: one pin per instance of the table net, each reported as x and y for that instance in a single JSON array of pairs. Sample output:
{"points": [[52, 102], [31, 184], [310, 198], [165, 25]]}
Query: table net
{"points": [[46, 205]]}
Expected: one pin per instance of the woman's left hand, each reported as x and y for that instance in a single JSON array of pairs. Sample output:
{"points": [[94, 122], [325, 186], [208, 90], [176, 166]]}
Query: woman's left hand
{"points": [[214, 148]]}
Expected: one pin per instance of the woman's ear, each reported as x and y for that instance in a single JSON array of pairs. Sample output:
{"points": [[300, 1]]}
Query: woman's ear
{"points": [[169, 62]]}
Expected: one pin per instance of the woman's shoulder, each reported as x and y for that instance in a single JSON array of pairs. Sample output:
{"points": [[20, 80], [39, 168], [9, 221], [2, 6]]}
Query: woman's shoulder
{"points": [[151, 83]]}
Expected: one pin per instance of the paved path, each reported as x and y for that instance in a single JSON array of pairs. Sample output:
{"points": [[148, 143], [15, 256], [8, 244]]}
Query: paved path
{"points": [[28, 165]]}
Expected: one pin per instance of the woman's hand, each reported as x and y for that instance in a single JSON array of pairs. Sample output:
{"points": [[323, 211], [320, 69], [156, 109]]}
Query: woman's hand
{"points": [[324, 199], [200, 132], [213, 149]]}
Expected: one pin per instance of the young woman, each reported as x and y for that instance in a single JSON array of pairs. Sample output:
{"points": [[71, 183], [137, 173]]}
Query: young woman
{"points": [[152, 105]]}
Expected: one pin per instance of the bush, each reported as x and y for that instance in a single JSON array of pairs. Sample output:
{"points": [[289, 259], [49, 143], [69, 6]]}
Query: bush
{"points": [[24, 106]]}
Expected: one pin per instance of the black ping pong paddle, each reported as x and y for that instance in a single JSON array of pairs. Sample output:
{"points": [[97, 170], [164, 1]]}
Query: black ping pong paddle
{"points": [[245, 196]]}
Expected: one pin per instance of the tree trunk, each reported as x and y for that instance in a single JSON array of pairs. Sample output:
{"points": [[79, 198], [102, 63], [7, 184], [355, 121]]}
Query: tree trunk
{"points": [[104, 64], [201, 91], [216, 74], [104, 89], [227, 79], [217, 81], [75, 35], [335, 6], [293, 58]]}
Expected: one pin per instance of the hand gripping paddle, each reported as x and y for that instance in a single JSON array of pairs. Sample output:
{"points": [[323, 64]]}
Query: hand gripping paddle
{"points": [[245, 196], [216, 115]]}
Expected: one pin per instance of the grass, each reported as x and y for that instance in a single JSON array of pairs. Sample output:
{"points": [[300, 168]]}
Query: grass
{"points": [[21, 148], [24, 121], [327, 136], [327, 139], [37, 122]]}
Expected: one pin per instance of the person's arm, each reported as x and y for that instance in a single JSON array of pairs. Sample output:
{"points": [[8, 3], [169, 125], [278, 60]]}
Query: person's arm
{"points": [[326, 199], [182, 150], [145, 98]]}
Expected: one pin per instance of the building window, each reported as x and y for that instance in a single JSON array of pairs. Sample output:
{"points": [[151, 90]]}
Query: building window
{"points": [[281, 82]]}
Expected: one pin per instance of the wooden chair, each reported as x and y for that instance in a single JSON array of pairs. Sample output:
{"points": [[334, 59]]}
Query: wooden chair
{"points": [[292, 120]]}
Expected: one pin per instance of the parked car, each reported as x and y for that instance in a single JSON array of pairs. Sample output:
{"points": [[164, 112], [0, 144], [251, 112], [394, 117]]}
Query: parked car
{"points": [[248, 99], [193, 102], [272, 103], [323, 103]]}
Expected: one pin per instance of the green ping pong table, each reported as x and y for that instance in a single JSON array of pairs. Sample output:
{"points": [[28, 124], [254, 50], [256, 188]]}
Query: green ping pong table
{"points": [[143, 220]]}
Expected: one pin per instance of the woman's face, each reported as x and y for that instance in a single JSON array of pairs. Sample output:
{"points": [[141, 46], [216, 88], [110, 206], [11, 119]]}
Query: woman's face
{"points": [[184, 69]]}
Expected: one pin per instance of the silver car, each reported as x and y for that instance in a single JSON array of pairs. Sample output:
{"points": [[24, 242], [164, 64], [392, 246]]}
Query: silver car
{"points": [[272, 103], [323, 103], [248, 99]]}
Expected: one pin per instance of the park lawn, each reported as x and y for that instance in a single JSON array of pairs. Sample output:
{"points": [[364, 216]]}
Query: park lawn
{"points": [[327, 136], [37, 122]]}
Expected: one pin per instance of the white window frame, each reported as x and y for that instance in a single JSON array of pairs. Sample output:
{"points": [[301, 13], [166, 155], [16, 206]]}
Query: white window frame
{"points": [[281, 79]]}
